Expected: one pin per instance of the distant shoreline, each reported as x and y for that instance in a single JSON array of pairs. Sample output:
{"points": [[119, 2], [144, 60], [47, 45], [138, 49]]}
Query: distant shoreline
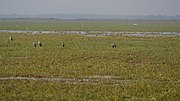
{"points": [[59, 19], [92, 17]]}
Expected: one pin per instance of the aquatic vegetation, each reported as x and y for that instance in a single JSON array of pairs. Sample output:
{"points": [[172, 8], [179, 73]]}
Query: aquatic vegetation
{"points": [[139, 68]]}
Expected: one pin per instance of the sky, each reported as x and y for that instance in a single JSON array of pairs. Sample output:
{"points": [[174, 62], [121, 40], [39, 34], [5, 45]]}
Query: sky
{"points": [[110, 7]]}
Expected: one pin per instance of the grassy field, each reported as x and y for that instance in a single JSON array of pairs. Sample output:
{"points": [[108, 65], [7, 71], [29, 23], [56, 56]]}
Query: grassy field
{"points": [[152, 61], [90, 25]]}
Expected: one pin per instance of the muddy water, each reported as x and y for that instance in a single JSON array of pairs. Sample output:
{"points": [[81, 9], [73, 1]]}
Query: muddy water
{"points": [[27, 31], [89, 80], [94, 33]]}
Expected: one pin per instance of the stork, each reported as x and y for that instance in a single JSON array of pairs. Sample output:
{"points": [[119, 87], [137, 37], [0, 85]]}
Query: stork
{"points": [[62, 44], [40, 44], [34, 44], [113, 45], [10, 38]]}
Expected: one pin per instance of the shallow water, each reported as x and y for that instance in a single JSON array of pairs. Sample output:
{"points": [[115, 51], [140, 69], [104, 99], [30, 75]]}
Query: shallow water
{"points": [[89, 80], [93, 33], [27, 31]]}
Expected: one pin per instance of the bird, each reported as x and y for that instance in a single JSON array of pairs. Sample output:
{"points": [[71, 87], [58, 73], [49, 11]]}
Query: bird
{"points": [[40, 44], [62, 44], [113, 45], [34, 44], [10, 38]]}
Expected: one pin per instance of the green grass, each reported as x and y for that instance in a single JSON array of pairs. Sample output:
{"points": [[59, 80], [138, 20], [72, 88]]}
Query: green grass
{"points": [[90, 25], [31, 90], [144, 58]]}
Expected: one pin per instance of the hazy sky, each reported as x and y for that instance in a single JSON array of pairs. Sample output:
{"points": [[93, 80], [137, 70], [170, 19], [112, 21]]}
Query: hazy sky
{"points": [[115, 7]]}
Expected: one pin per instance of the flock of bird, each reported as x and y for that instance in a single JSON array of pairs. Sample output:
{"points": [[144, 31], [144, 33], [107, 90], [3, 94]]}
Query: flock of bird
{"points": [[113, 45], [40, 44]]}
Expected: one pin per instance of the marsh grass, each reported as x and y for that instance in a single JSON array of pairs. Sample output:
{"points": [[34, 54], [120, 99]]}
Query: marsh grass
{"points": [[146, 58], [90, 25]]}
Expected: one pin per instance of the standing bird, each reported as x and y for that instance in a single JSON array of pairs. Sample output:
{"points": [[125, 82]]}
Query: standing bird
{"points": [[10, 38], [34, 44], [113, 45], [40, 44], [62, 44]]}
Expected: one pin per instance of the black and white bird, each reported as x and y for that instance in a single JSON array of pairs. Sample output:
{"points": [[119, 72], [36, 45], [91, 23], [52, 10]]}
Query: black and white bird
{"points": [[62, 44], [10, 38], [113, 45], [34, 44], [39, 43]]}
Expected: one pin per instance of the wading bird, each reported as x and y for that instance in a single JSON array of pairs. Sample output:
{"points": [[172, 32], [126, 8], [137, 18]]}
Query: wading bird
{"points": [[10, 38], [40, 44], [34, 44], [113, 45], [62, 44]]}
